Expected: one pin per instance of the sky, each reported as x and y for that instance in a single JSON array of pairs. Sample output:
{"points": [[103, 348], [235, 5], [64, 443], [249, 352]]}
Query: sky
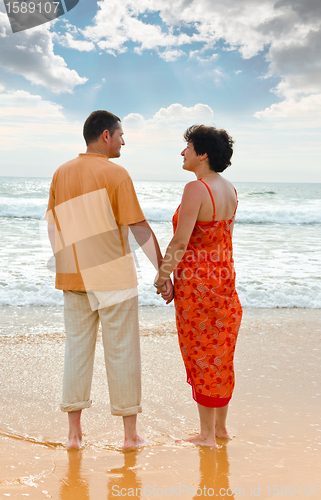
{"points": [[252, 67]]}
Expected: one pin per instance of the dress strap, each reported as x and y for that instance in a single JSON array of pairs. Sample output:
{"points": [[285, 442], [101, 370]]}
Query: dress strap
{"points": [[210, 196]]}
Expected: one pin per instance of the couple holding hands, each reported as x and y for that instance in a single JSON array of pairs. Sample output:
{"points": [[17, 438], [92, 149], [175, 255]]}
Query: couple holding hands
{"points": [[92, 205]]}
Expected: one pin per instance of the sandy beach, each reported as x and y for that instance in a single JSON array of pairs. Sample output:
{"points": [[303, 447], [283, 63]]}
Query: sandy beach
{"points": [[274, 415]]}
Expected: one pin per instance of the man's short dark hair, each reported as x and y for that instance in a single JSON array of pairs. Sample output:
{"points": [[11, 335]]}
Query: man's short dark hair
{"points": [[97, 122], [216, 143]]}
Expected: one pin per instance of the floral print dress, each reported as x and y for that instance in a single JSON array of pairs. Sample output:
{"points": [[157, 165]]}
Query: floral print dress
{"points": [[208, 310]]}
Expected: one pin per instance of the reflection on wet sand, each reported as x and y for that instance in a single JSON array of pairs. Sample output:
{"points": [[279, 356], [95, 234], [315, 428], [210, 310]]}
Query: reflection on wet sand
{"points": [[125, 477], [74, 485], [214, 474], [128, 479]]}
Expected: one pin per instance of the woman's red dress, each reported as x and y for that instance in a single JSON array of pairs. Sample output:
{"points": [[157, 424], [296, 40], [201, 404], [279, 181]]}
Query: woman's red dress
{"points": [[208, 310]]}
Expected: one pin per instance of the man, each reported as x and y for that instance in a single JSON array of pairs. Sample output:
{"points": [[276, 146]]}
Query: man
{"points": [[92, 203]]}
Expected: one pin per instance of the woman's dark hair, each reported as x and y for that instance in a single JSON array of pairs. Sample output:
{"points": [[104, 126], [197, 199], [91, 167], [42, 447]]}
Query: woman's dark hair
{"points": [[97, 122], [216, 143]]}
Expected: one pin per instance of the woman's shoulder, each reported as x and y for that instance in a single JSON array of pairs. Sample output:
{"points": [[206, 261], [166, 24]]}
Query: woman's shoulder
{"points": [[193, 193], [226, 185], [229, 183], [194, 187], [193, 184], [199, 186]]}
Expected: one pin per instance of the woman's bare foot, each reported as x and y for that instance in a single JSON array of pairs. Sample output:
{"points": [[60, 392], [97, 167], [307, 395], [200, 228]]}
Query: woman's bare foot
{"points": [[222, 433], [131, 444], [202, 441]]}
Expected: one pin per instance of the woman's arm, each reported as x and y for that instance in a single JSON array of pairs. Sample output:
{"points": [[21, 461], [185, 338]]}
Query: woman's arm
{"points": [[188, 213], [232, 227]]}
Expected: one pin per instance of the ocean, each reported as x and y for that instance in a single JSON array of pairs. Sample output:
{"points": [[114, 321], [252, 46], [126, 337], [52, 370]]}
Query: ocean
{"points": [[277, 242]]}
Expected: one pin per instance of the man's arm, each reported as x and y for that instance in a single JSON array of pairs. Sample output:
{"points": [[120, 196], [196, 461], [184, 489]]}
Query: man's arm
{"points": [[51, 235], [147, 240]]}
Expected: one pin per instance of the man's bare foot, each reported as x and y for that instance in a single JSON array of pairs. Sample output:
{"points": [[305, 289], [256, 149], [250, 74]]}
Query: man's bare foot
{"points": [[131, 444], [74, 443], [222, 433], [75, 433], [202, 441]]}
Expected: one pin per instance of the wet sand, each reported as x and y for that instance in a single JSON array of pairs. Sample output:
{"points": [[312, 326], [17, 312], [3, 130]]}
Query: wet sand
{"points": [[274, 415]]}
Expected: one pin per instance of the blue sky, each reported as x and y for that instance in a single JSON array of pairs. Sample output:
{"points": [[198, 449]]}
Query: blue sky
{"points": [[250, 66]]}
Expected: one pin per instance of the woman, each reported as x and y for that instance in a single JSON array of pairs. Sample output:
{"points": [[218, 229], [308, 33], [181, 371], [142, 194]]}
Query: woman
{"points": [[208, 310]]}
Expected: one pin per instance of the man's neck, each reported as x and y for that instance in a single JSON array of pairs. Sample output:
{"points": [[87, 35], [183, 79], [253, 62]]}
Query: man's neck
{"points": [[96, 150]]}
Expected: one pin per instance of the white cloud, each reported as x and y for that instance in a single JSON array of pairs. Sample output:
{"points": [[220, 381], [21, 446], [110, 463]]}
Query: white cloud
{"points": [[27, 120], [306, 108], [35, 135], [134, 121], [197, 54], [179, 113], [154, 144], [69, 40], [160, 139], [308, 10], [236, 22], [289, 30], [171, 55], [31, 54], [20, 104], [297, 60], [175, 116], [116, 23]]}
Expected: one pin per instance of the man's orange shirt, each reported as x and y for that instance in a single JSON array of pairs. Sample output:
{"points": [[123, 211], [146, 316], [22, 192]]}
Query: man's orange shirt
{"points": [[92, 202]]}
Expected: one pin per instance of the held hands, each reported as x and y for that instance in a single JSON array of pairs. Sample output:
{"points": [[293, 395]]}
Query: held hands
{"points": [[166, 291]]}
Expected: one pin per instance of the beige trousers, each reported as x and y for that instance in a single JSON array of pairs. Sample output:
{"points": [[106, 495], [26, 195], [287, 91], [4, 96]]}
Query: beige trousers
{"points": [[120, 332]]}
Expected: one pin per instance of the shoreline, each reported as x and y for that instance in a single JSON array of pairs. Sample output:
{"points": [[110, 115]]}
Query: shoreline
{"points": [[274, 413], [147, 315]]}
